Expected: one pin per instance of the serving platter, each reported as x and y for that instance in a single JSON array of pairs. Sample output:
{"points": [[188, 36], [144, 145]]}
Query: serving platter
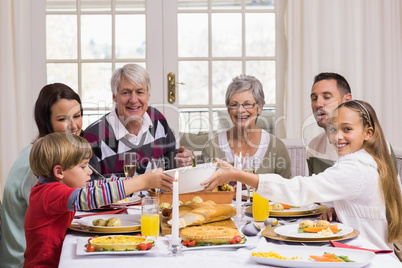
{"points": [[291, 231], [269, 233], [129, 223], [81, 250], [309, 210], [360, 257]]}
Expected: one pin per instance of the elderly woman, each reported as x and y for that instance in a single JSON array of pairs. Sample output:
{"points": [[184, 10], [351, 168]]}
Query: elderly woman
{"points": [[245, 100]]}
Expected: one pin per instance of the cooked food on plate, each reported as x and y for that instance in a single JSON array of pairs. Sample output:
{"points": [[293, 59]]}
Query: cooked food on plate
{"points": [[213, 235], [112, 222], [277, 207], [306, 223], [120, 243]]}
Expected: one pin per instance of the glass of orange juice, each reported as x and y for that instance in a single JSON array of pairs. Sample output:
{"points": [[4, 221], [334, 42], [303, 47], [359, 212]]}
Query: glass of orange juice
{"points": [[150, 216], [260, 208]]}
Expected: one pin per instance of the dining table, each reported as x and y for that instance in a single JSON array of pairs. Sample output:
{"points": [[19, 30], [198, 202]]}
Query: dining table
{"points": [[73, 250]]}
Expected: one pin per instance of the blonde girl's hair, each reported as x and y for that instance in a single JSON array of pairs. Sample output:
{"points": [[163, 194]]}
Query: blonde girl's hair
{"points": [[377, 147], [59, 148]]}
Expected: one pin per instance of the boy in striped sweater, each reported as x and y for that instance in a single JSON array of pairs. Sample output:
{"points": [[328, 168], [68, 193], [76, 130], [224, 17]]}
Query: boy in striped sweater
{"points": [[60, 161]]}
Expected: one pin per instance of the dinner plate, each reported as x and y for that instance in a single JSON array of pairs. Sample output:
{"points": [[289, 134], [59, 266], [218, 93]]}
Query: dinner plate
{"points": [[129, 201], [81, 250], [129, 223], [269, 233], [309, 210], [226, 246], [360, 258], [291, 230]]}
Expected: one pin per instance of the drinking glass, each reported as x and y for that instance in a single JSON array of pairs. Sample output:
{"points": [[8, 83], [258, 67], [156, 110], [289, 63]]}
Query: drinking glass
{"points": [[150, 216], [260, 208], [130, 163], [157, 163], [248, 165]]}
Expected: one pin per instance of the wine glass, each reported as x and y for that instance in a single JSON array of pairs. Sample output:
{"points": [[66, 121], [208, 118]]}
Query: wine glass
{"points": [[130, 163], [157, 163], [248, 165]]}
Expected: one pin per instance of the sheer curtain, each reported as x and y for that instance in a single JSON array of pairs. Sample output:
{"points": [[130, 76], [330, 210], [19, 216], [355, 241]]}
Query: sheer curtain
{"points": [[20, 74], [360, 39]]}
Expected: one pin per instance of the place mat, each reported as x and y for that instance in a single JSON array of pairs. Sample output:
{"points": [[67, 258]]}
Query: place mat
{"points": [[280, 214], [270, 233]]}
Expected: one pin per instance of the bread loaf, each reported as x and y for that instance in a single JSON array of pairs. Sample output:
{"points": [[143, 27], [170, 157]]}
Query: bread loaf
{"points": [[189, 207], [207, 214]]}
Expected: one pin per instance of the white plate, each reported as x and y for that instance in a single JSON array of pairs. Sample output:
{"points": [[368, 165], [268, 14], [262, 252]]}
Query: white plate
{"points": [[248, 243], [360, 257], [81, 250], [305, 208], [190, 178], [130, 201], [291, 230], [128, 223]]}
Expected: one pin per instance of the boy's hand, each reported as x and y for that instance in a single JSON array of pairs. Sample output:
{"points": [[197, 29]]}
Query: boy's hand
{"points": [[157, 179]]}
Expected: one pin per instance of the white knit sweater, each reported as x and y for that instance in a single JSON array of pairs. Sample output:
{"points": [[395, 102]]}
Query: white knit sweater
{"points": [[353, 186]]}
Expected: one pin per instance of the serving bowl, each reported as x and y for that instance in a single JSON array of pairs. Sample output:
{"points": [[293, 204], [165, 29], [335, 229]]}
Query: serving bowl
{"points": [[190, 178]]}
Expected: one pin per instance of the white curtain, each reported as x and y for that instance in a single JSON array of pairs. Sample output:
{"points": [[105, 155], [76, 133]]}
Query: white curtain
{"points": [[359, 39], [17, 127]]}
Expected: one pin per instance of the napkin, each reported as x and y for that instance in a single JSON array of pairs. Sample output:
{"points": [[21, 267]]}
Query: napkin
{"points": [[117, 211], [376, 251]]}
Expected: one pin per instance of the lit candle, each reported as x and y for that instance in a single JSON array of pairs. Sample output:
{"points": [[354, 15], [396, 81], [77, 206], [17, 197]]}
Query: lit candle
{"points": [[238, 188], [175, 213]]}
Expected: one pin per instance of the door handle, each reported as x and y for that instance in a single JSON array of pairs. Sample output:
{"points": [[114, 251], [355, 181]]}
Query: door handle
{"points": [[171, 86]]}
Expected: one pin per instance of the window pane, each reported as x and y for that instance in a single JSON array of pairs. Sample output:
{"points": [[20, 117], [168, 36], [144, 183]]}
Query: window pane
{"points": [[195, 76], [130, 36], [66, 73], [121, 64], [189, 4], [61, 5], [260, 34], [96, 34], [130, 5], [260, 4], [61, 37], [222, 74], [96, 84], [226, 35], [265, 72], [192, 35], [226, 4], [96, 5], [194, 120]]}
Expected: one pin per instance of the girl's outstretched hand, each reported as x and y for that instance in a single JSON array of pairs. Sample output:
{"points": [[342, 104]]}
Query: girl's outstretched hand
{"points": [[155, 178], [223, 175]]}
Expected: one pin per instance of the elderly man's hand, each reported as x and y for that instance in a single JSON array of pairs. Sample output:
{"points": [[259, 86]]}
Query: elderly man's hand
{"points": [[183, 157]]}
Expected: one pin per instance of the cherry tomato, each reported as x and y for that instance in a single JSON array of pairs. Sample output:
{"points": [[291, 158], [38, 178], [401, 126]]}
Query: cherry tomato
{"points": [[185, 243], [149, 245], [191, 243], [142, 246], [90, 248], [233, 241], [89, 239], [237, 238]]}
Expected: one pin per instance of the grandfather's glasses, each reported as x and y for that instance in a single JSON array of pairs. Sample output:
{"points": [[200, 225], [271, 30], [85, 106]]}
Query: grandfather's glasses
{"points": [[247, 106]]}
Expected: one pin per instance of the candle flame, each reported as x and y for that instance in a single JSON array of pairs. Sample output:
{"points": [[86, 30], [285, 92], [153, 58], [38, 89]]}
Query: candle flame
{"points": [[176, 175]]}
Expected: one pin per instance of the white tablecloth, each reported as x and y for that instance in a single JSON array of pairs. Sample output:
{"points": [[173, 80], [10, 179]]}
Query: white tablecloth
{"points": [[239, 257]]}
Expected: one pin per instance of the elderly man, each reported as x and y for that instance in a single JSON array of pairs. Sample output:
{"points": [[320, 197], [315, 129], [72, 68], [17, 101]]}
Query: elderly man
{"points": [[132, 126]]}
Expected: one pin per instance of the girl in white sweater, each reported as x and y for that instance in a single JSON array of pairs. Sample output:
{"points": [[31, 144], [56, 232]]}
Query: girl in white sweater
{"points": [[363, 184]]}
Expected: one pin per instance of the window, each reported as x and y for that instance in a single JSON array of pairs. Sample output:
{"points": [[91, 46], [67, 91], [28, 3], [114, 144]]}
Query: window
{"points": [[216, 40]]}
